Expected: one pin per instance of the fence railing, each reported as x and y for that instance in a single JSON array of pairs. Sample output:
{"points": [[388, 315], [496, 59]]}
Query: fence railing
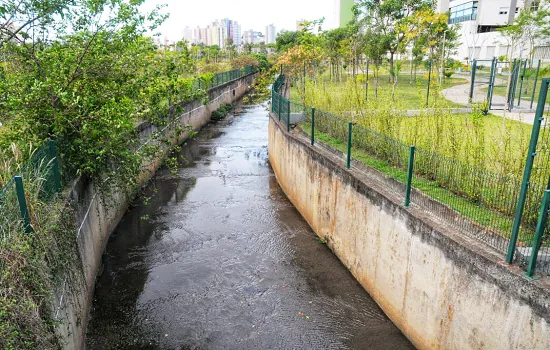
{"points": [[223, 78], [480, 203], [508, 85], [39, 179]]}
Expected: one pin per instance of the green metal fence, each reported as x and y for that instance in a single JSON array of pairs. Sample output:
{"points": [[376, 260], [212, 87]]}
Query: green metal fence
{"points": [[530, 237], [280, 104], [505, 84], [480, 203], [223, 78], [38, 181]]}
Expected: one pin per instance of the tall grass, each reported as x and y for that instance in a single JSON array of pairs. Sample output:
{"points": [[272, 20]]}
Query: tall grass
{"points": [[31, 264], [491, 142]]}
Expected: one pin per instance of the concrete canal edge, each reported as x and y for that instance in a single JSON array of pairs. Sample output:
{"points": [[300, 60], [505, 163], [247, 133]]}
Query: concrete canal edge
{"points": [[443, 290], [96, 219]]}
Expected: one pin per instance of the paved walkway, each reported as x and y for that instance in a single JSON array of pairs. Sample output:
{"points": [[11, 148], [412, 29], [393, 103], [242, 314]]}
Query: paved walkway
{"points": [[460, 94]]}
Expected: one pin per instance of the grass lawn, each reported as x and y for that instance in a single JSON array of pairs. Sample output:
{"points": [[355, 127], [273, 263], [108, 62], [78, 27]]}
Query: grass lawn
{"points": [[335, 96], [504, 142], [526, 94]]}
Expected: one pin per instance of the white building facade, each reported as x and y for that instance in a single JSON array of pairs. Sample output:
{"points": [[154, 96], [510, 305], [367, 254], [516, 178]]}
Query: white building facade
{"points": [[479, 21], [270, 34], [236, 34]]}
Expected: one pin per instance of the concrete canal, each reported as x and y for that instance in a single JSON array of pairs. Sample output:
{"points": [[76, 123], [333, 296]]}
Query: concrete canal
{"points": [[215, 257]]}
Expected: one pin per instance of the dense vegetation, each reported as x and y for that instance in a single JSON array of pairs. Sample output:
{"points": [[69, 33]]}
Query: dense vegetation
{"points": [[81, 73]]}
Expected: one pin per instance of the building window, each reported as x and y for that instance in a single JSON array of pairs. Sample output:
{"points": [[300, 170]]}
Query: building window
{"points": [[503, 11], [463, 12], [487, 29]]}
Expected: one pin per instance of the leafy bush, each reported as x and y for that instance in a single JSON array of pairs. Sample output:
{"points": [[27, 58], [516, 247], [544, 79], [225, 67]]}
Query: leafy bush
{"points": [[221, 112]]}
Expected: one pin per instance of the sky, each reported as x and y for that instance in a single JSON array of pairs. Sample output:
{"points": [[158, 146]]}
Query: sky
{"points": [[251, 14]]}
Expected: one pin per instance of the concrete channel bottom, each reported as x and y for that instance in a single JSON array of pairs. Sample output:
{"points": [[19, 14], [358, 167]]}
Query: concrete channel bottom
{"points": [[215, 257]]}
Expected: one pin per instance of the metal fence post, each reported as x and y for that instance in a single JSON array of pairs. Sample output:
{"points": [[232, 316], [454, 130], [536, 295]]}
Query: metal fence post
{"points": [[272, 100], [279, 97], [23, 208], [535, 86], [473, 79], [521, 81], [55, 165], [312, 126], [531, 153], [410, 170], [348, 162], [492, 77], [541, 224], [513, 83], [288, 116]]}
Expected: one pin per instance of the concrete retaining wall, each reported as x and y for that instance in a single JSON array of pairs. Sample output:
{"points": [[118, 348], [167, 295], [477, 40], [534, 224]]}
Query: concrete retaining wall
{"points": [[96, 218], [441, 289]]}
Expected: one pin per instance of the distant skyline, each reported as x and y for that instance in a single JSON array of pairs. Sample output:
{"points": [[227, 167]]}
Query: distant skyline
{"points": [[251, 14]]}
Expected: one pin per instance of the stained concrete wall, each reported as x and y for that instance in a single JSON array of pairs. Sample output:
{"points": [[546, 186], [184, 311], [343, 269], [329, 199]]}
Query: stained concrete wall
{"points": [[441, 289], [96, 218]]}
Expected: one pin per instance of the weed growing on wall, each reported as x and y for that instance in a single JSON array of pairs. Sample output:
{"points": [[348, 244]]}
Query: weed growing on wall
{"points": [[221, 112]]}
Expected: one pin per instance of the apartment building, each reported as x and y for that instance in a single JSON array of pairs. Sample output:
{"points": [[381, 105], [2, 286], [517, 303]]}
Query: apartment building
{"points": [[479, 21], [270, 33]]}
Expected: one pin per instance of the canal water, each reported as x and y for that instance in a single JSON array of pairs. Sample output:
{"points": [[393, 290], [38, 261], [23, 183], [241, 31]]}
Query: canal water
{"points": [[214, 256]]}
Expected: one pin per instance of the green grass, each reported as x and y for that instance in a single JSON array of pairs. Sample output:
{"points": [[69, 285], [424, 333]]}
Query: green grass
{"points": [[496, 130], [408, 95], [526, 95], [486, 217], [499, 142]]}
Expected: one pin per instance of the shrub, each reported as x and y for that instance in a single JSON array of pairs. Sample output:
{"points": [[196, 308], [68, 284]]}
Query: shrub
{"points": [[221, 112]]}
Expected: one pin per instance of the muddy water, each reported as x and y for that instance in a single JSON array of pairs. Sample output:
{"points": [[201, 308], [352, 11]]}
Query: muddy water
{"points": [[215, 257]]}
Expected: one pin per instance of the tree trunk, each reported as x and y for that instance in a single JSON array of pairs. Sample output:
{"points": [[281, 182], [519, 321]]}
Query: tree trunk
{"points": [[391, 68]]}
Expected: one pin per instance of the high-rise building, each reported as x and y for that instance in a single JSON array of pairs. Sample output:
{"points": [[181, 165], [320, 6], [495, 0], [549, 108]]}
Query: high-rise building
{"points": [[270, 33], [213, 34], [253, 37], [187, 35], [236, 34], [343, 12], [216, 33]]}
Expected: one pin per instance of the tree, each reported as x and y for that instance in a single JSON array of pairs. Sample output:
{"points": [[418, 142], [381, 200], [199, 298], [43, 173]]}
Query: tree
{"points": [[333, 44], [85, 84], [431, 29], [530, 27], [386, 19], [287, 39]]}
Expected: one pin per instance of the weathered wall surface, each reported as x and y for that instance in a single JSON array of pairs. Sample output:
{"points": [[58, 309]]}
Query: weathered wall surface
{"points": [[442, 290], [96, 219]]}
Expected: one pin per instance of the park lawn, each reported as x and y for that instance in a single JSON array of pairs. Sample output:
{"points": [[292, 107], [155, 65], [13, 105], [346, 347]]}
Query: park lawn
{"points": [[526, 95], [408, 96]]}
